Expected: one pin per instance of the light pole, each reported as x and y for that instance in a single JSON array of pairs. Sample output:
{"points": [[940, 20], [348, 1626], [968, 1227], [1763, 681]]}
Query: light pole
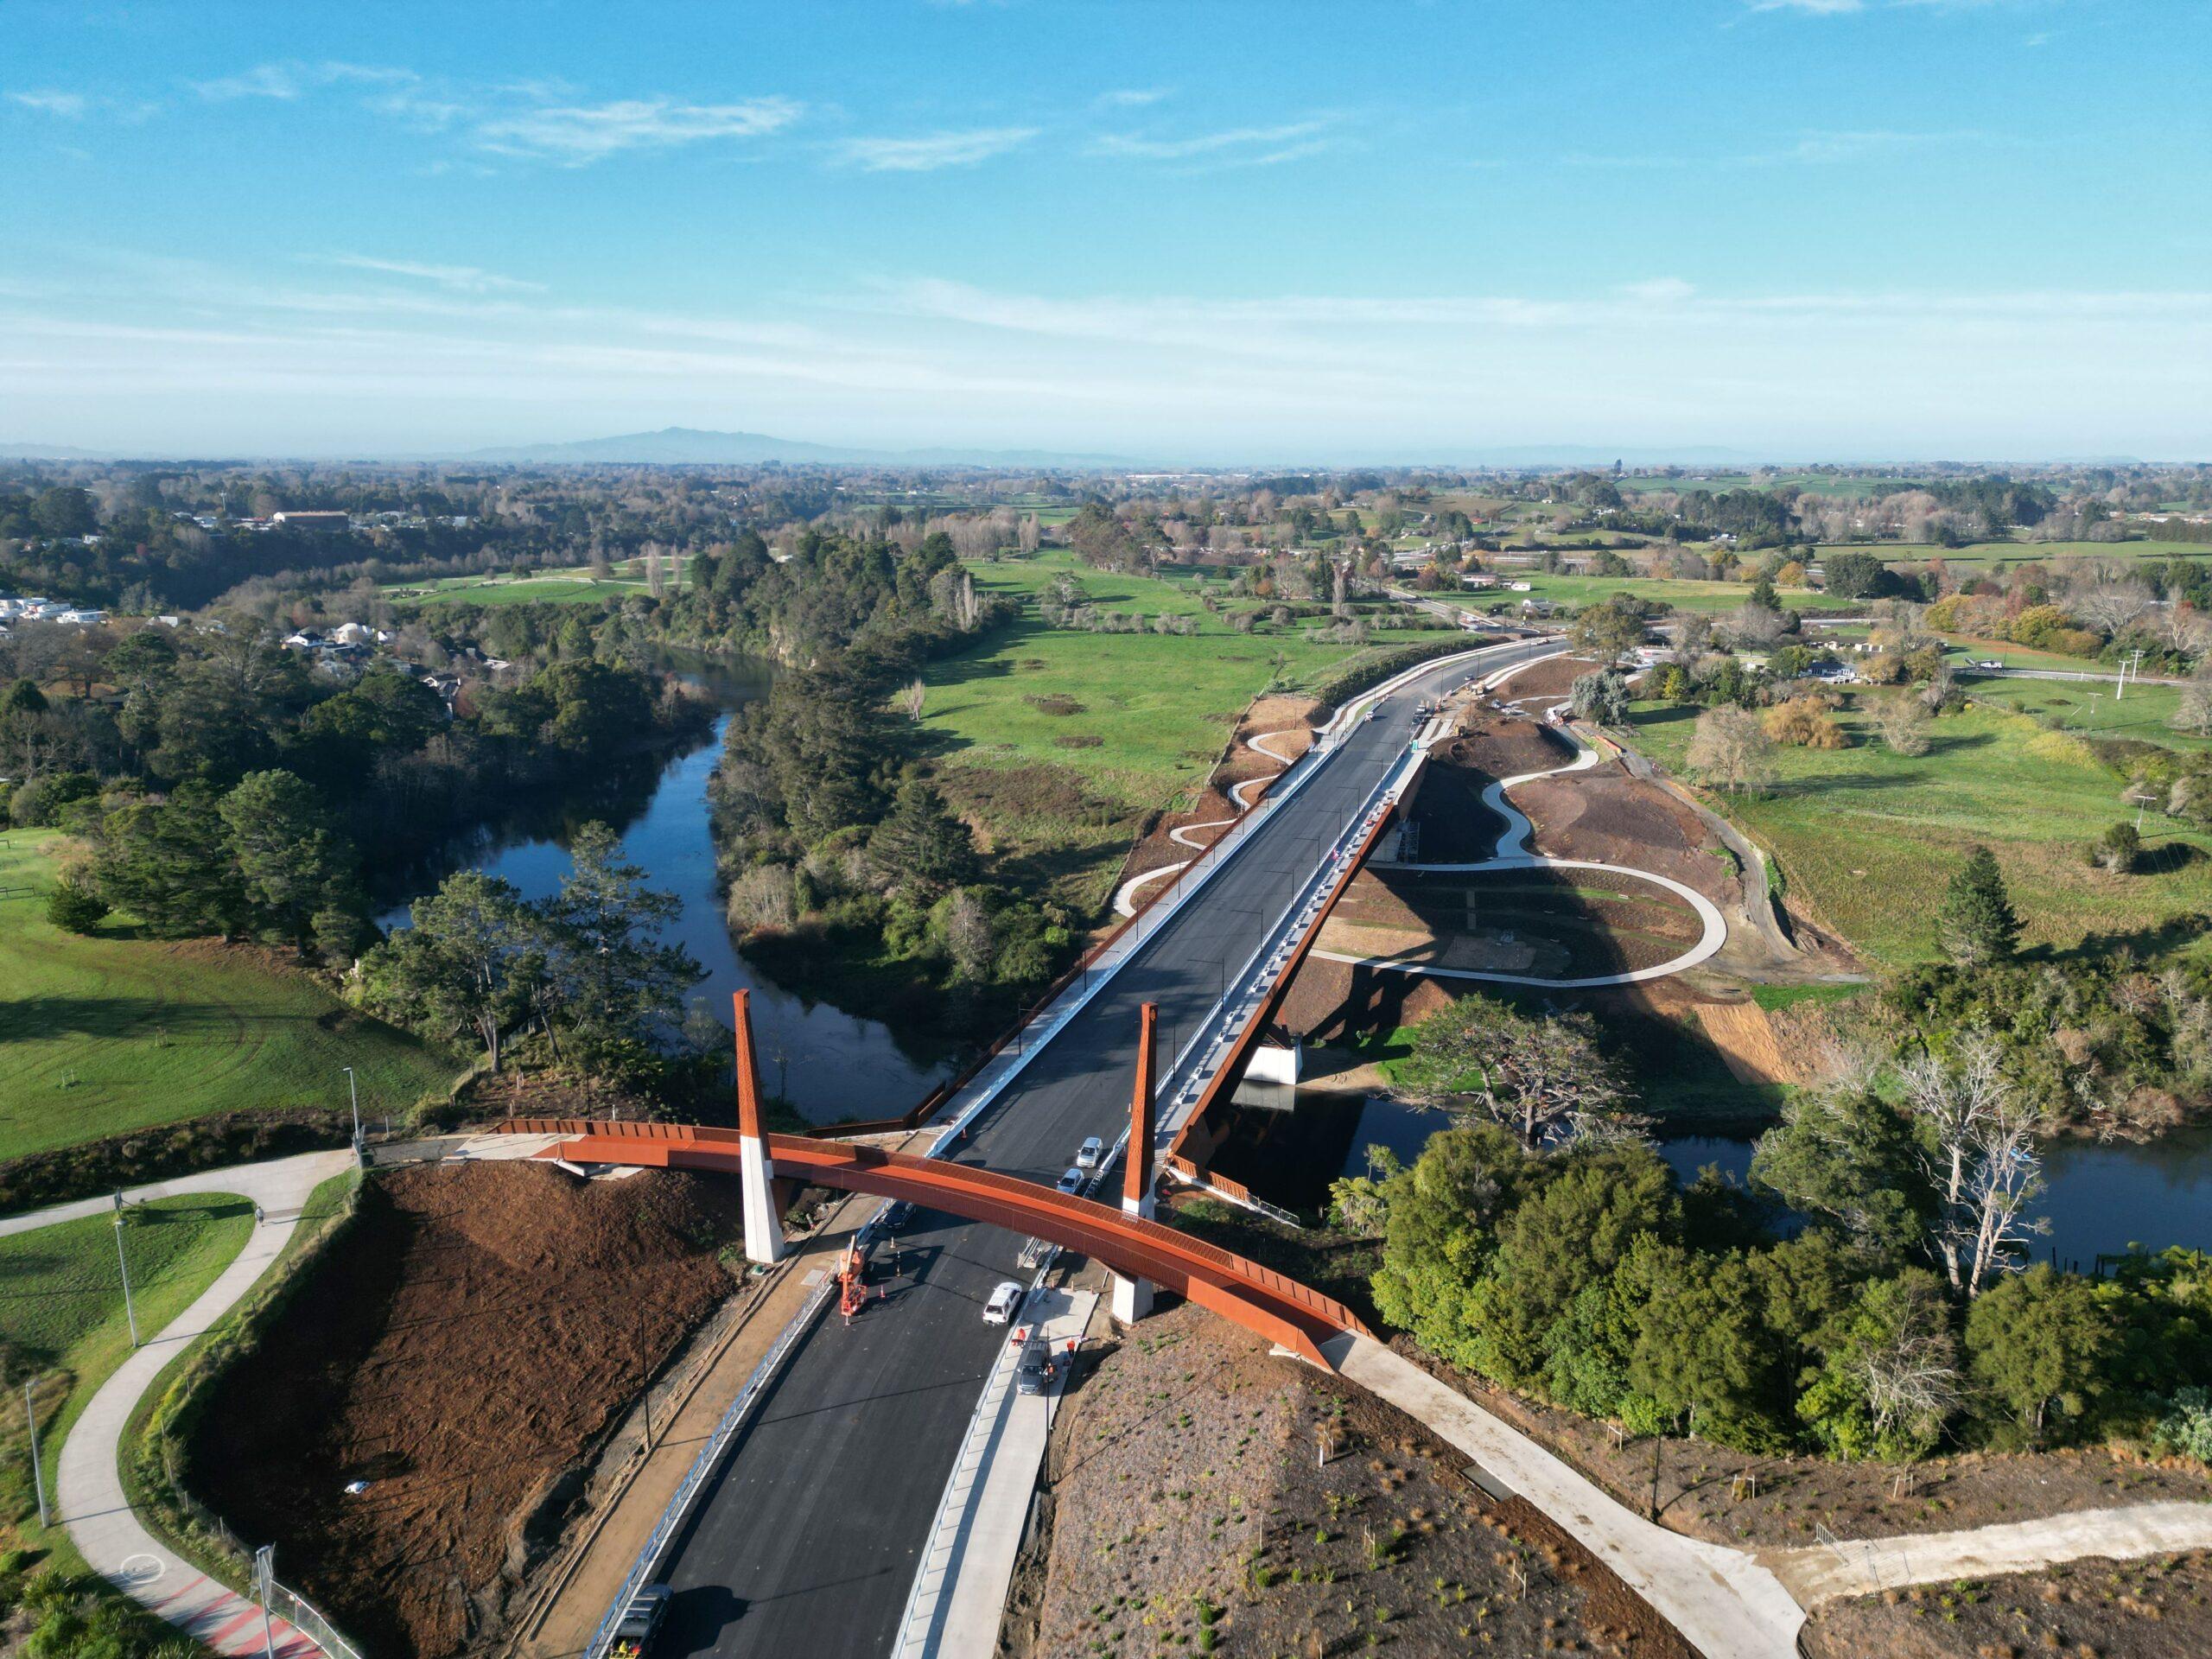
{"points": [[38, 1477], [124, 1263], [353, 1091]]}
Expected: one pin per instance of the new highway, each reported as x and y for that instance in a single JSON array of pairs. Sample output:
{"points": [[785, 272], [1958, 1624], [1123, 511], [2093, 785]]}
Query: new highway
{"points": [[807, 1540]]}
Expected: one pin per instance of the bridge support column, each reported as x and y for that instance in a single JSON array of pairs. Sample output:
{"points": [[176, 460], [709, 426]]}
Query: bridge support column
{"points": [[1133, 1297], [764, 1226]]}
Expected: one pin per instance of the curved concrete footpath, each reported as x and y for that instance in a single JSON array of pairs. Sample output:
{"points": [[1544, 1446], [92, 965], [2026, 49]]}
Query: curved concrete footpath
{"points": [[1125, 898], [1866, 1566], [100, 1521], [1513, 854], [1725, 1604]]}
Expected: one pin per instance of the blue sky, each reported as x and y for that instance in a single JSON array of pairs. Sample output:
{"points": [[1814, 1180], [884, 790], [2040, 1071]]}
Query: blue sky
{"points": [[1212, 232]]}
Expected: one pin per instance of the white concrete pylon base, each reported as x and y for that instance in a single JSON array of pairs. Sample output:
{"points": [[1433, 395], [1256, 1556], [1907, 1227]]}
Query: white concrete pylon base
{"points": [[764, 1229], [1132, 1300]]}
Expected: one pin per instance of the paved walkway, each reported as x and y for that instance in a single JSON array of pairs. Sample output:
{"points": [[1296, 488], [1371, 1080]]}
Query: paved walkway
{"points": [[1726, 1604], [1866, 1566], [100, 1521]]}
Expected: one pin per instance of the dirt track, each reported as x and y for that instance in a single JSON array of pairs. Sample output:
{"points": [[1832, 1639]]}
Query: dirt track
{"points": [[462, 1348]]}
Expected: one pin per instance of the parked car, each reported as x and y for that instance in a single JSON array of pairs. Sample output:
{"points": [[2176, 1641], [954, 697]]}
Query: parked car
{"points": [[1071, 1181], [1033, 1372], [1087, 1155], [641, 1620], [1004, 1300]]}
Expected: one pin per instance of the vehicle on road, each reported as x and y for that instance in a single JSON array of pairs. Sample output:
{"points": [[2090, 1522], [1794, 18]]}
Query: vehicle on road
{"points": [[1987, 662], [1004, 1300], [1087, 1155], [1071, 1181], [1033, 1372], [641, 1620]]}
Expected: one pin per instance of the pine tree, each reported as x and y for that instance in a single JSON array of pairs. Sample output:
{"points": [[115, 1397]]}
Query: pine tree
{"points": [[1977, 923]]}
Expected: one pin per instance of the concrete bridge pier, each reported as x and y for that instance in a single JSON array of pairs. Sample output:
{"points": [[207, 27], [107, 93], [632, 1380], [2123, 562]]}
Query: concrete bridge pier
{"points": [[764, 1226], [1133, 1297]]}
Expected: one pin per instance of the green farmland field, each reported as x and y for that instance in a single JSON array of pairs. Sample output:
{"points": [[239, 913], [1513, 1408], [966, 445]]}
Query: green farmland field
{"points": [[1058, 743], [1869, 838], [104, 1034], [1577, 591], [575, 585]]}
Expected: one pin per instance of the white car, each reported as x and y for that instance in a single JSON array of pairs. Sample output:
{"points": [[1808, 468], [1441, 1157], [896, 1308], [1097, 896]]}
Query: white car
{"points": [[1071, 1181], [1087, 1154], [1004, 1300]]}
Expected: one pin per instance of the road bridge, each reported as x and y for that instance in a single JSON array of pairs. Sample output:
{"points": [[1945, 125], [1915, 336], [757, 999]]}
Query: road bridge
{"points": [[809, 1536]]}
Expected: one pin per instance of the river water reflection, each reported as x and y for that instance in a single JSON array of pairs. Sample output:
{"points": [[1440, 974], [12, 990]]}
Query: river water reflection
{"points": [[2102, 1198], [829, 1064]]}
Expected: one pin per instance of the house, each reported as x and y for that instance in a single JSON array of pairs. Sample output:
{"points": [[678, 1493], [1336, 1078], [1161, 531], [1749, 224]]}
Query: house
{"points": [[353, 633], [325, 522]]}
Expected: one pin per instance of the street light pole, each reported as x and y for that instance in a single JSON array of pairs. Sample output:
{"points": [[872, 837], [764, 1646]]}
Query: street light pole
{"points": [[353, 1090], [38, 1477], [124, 1263]]}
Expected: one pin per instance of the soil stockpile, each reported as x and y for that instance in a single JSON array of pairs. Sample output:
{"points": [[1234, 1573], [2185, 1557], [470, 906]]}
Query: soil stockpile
{"points": [[1189, 1514], [463, 1348], [1552, 679]]}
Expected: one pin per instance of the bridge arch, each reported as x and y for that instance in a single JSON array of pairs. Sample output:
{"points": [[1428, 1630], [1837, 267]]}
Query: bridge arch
{"points": [[1278, 1307]]}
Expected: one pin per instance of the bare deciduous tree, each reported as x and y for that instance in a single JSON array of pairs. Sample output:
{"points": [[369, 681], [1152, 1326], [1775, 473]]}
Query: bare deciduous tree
{"points": [[1981, 1160], [1732, 751]]}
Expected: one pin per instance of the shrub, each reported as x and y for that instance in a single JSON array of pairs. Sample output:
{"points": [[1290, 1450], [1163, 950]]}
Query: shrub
{"points": [[74, 906], [2116, 849], [2187, 1429], [1804, 723]]}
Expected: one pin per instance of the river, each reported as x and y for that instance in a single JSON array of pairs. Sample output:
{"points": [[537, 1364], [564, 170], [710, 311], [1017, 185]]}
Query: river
{"points": [[829, 1064], [2100, 1198]]}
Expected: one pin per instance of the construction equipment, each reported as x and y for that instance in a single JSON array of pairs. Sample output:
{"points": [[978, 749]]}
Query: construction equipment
{"points": [[852, 1281]]}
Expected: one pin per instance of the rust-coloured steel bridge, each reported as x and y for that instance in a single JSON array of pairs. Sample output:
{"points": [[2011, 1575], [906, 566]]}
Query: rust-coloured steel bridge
{"points": [[1281, 1309]]}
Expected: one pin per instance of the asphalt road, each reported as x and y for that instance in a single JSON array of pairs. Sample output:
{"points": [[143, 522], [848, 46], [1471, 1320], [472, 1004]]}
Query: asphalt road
{"points": [[807, 1539]]}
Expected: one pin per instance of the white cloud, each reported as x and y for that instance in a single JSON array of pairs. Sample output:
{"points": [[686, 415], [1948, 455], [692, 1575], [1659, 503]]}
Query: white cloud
{"points": [[70, 106], [1254, 146], [580, 133], [1659, 291], [1819, 8], [1129, 97], [926, 152], [459, 279], [290, 79]]}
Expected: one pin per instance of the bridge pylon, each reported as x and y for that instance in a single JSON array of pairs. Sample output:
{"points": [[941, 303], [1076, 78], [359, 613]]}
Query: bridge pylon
{"points": [[764, 1228], [1133, 1297]]}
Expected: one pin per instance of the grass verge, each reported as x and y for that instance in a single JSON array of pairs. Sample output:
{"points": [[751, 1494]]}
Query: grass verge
{"points": [[153, 1439], [63, 1319], [107, 1033], [1870, 837]]}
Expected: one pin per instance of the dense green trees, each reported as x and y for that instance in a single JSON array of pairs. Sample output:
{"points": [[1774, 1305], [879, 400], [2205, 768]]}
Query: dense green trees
{"points": [[1574, 1266], [481, 961]]}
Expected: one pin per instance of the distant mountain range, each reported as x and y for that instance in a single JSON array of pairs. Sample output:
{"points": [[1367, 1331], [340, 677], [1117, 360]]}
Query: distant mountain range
{"points": [[682, 445], [48, 452]]}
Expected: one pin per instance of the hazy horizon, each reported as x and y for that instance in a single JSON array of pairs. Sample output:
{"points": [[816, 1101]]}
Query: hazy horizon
{"points": [[1842, 229]]}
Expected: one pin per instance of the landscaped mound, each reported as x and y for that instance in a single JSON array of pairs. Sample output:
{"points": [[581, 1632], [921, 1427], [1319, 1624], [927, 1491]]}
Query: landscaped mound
{"points": [[463, 1348]]}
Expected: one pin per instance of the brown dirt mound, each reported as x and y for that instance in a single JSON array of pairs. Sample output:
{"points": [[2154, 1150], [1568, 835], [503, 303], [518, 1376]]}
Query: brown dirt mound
{"points": [[464, 1347], [1608, 816], [1190, 1513], [1555, 679], [1505, 746]]}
